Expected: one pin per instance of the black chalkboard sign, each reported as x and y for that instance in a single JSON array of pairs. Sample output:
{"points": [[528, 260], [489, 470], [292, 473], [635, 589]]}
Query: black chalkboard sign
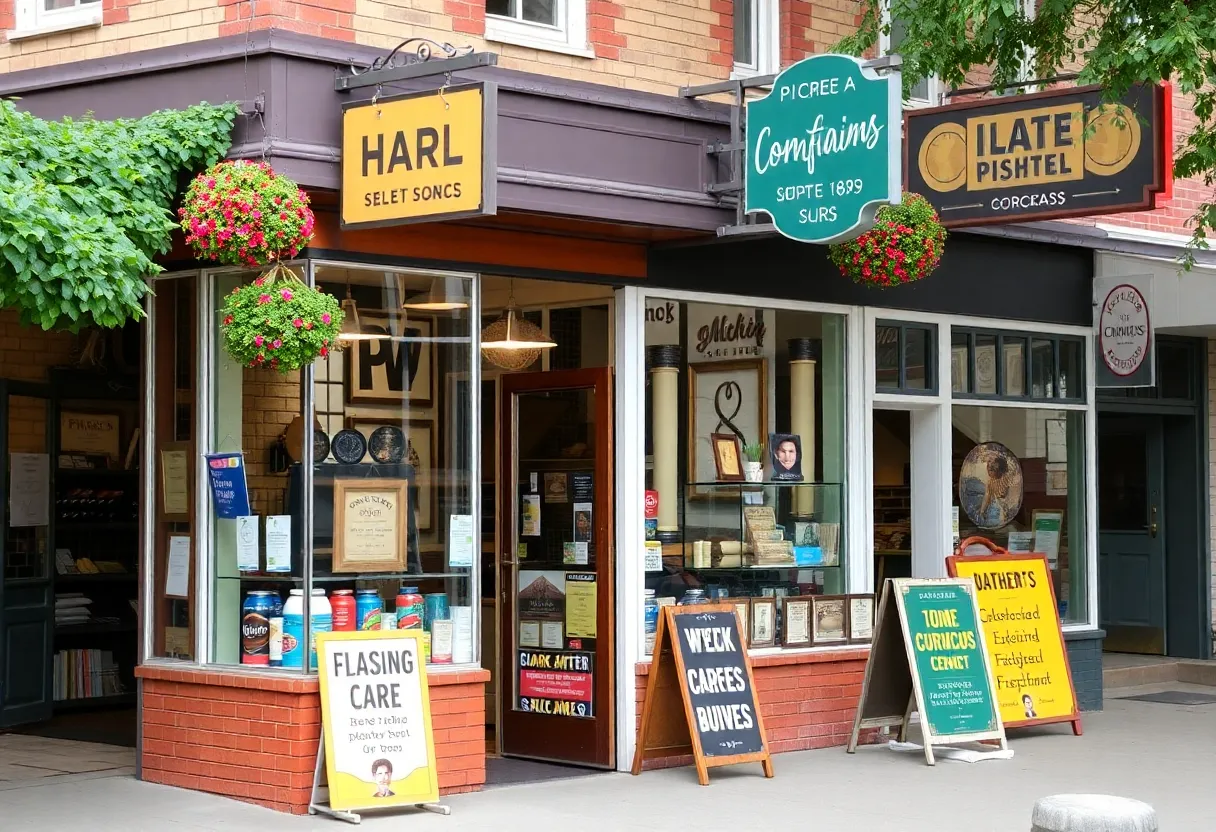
{"points": [[701, 697]]}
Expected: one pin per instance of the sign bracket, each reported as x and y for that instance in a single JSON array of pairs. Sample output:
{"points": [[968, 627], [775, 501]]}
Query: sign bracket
{"points": [[414, 58]]}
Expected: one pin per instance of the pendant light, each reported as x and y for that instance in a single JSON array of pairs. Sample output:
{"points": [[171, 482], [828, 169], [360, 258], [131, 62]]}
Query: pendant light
{"points": [[512, 342], [351, 329], [444, 294]]}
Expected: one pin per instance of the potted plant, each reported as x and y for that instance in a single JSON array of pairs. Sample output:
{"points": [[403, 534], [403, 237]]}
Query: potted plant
{"points": [[753, 466], [905, 245]]}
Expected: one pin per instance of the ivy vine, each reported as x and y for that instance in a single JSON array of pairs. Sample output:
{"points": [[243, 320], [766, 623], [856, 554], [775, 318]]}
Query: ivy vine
{"points": [[84, 208]]}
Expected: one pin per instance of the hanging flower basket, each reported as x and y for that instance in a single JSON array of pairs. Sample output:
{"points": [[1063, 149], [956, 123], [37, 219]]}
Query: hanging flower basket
{"points": [[244, 214], [280, 323], [905, 244]]}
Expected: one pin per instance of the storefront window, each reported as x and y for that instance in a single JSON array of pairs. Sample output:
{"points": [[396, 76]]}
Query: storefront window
{"points": [[1020, 477], [370, 524], [746, 463]]}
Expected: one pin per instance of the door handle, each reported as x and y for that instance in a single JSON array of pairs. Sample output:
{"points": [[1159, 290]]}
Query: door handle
{"points": [[1152, 525]]}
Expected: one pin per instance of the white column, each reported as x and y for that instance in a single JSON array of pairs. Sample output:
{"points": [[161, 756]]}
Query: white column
{"points": [[804, 353], [664, 365]]}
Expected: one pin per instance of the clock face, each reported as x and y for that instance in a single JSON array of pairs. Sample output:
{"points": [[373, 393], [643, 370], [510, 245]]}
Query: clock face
{"points": [[387, 444], [348, 446]]}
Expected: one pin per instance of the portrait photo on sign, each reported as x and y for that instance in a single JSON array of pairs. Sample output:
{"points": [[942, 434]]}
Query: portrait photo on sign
{"points": [[785, 457]]}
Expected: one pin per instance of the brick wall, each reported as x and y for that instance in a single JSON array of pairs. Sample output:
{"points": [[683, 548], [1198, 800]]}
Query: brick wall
{"points": [[254, 737], [807, 700], [269, 402], [1085, 662]]}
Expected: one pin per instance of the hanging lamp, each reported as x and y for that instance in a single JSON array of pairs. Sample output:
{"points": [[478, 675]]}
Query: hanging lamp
{"points": [[444, 294], [512, 342], [352, 330]]}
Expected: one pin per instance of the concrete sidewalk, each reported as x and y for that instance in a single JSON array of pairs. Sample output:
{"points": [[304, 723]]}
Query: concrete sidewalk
{"points": [[1163, 754]]}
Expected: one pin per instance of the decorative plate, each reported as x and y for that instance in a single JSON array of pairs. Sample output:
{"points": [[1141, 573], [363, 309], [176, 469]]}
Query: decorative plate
{"points": [[387, 445], [348, 446], [320, 445], [990, 485]]}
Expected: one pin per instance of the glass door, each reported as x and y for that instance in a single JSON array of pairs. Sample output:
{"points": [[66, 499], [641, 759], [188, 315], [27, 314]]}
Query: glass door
{"points": [[26, 595], [556, 610]]}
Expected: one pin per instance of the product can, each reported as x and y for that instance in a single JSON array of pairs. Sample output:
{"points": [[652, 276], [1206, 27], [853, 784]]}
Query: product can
{"points": [[435, 607], [368, 608], [409, 609], [293, 630], [276, 640], [256, 613], [343, 604], [388, 621], [322, 616]]}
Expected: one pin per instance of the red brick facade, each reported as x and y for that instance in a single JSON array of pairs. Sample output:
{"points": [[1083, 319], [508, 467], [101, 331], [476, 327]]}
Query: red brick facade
{"points": [[254, 736], [332, 19], [807, 700]]}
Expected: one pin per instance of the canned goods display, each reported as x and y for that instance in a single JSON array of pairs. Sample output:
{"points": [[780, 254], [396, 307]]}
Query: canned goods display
{"points": [[368, 608], [344, 612], [259, 607], [435, 607], [409, 609]]}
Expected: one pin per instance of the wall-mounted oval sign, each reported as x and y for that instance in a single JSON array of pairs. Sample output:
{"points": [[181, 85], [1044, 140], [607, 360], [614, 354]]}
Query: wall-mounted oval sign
{"points": [[1123, 330]]}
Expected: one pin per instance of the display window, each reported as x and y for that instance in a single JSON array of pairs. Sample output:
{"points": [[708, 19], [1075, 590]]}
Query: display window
{"points": [[745, 465]]}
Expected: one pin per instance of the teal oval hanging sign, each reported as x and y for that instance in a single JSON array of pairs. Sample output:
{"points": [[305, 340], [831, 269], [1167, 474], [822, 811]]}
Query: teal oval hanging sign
{"points": [[824, 148]]}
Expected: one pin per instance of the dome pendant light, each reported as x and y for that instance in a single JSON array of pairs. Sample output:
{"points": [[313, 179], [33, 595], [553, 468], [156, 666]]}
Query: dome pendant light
{"points": [[512, 342]]}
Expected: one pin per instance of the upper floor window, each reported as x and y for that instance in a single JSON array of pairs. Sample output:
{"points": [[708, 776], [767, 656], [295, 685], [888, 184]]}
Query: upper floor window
{"points": [[42, 16], [756, 48], [927, 93], [549, 25]]}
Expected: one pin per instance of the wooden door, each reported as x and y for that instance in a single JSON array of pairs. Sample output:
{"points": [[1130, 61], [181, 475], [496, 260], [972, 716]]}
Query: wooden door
{"points": [[556, 624]]}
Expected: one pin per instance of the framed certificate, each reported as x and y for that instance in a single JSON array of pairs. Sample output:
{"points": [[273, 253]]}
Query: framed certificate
{"points": [[829, 622], [861, 619], [370, 525], [796, 622], [743, 606], [764, 622]]}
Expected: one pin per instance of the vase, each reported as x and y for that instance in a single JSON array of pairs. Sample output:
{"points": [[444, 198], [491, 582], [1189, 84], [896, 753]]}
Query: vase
{"points": [[753, 471]]}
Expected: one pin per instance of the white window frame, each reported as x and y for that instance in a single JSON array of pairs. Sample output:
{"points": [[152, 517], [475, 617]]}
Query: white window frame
{"points": [[936, 88], [766, 27], [568, 37], [32, 21]]}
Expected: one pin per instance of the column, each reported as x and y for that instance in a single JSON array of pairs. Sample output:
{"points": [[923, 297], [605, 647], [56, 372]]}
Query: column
{"points": [[804, 356], [663, 364]]}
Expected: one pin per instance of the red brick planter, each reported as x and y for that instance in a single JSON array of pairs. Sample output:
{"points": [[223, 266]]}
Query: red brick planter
{"points": [[253, 736]]}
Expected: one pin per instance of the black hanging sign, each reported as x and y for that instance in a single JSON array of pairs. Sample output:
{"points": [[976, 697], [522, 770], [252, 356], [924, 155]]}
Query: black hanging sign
{"points": [[1062, 153]]}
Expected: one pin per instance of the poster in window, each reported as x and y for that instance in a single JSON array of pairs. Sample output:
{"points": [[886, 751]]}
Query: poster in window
{"points": [[725, 397], [397, 368]]}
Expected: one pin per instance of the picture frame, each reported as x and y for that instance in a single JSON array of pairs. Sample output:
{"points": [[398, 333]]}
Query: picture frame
{"points": [[861, 618], [420, 434], [728, 457], [763, 627], [371, 524], [372, 365], [796, 621], [829, 620], [743, 606], [743, 382], [90, 433]]}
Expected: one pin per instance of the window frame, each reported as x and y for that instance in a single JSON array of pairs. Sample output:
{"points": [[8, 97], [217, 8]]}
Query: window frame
{"points": [[31, 20], [902, 329], [936, 89], [568, 36], [1029, 337], [766, 28]]}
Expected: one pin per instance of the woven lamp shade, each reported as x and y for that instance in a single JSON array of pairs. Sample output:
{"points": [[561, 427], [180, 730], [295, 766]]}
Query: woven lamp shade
{"points": [[513, 343]]}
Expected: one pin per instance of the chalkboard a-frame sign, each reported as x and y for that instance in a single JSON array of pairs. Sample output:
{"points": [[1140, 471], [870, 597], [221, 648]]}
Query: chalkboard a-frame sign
{"points": [[701, 696]]}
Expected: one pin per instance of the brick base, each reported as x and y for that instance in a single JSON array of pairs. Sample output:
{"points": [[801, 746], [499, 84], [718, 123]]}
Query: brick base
{"points": [[1085, 662], [254, 736], [808, 700]]}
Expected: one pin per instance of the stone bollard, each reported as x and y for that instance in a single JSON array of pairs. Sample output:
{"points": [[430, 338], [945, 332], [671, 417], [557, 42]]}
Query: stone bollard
{"points": [[1092, 813]]}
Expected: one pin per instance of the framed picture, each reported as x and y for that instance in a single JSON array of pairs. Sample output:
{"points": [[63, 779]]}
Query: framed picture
{"points": [[720, 392], [743, 606], [861, 619], [785, 457], [764, 622], [90, 433], [396, 369], [829, 619], [420, 453], [370, 524], [796, 621], [727, 456], [1057, 440]]}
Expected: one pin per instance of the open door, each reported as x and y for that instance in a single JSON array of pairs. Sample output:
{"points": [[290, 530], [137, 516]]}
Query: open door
{"points": [[27, 599], [556, 567]]}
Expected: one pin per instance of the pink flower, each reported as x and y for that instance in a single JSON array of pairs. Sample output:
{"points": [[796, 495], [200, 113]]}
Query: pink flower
{"points": [[257, 215], [308, 325], [275, 344], [325, 319], [286, 294], [283, 216], [264, 299], [258, 340], [297, 323], [259, 281]]}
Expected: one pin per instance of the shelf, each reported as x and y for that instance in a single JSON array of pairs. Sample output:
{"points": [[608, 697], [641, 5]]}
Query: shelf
{"points": [[97, 577], [96, 525], [94, 702], [333, 579], [753, 568], [97, 472], [94, 629], [765, 484]]}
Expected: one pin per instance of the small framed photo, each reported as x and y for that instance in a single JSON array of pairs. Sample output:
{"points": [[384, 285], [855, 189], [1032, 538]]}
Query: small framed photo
{"points": [[743, 606], [796, 621], [785, 457], [829, 619], [727, 457], [764, 622], [861, 619]]}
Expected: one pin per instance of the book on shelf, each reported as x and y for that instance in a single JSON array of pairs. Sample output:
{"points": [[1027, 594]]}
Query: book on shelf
{"points": [[85, 674]]}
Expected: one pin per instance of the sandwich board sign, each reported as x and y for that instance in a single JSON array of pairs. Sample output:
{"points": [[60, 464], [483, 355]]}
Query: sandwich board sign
{"points": [[929, 655], [701, 698], [377, 747], [1021, 624]]}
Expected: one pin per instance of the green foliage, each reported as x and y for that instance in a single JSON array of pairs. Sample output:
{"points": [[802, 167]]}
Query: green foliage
{"points": [[84, 207], [277, 321], [754, 452], [1117, 43], [906, 243]]}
